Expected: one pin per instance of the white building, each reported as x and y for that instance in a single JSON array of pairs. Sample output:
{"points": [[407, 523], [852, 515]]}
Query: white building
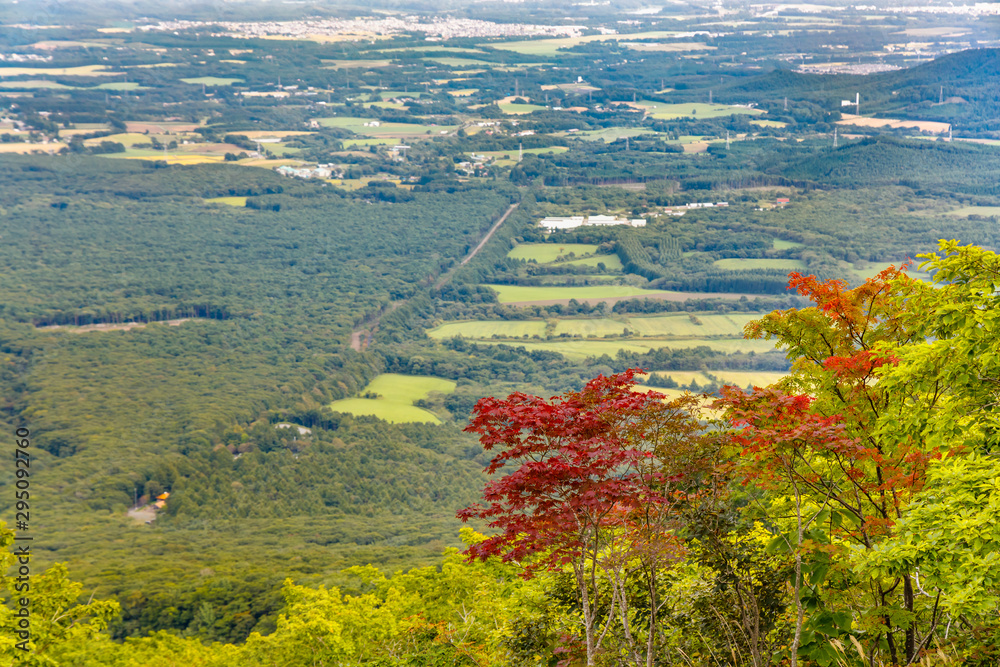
{"points": [[553, 223]]}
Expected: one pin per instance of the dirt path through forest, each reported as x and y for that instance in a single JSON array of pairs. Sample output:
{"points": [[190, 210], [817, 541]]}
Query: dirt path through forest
{"points": [[361, 337]]}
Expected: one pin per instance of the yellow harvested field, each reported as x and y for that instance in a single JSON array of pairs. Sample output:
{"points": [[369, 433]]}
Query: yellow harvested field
{"points": [[125, 138], [32, 148], [180, 159], [228, 201], [83, 70], [922, 125]]}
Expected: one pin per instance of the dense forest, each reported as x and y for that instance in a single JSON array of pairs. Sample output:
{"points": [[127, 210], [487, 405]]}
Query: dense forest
{"points": [[271, 300], [811, 522]]}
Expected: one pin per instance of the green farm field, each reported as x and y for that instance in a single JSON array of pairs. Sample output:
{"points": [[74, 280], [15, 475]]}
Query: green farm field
{"points": [[595, 293], [518, 293], [545, 253], [610, 262], [579, 350], [748, 264], [780, 244], [409, 130], [488, 329], [681, 325], [519, 109], [397, 394], [83, 70], [212, 81], [696, 110]]}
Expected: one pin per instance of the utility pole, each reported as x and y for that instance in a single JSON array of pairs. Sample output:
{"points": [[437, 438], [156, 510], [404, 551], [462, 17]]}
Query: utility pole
{"points": [[941, 95], [626, 143], [727, 140], [520, 151], [709, 96], [786, 104], [834, 137]]}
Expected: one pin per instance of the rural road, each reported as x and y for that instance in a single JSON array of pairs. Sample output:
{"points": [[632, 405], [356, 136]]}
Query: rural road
{"points": [[447, 276], [362, 337]]}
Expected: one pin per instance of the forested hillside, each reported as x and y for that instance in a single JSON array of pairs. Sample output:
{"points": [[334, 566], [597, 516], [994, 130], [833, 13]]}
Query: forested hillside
{"points": [[830, 519]]}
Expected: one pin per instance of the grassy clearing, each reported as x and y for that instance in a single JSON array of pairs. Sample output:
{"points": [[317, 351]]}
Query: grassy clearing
{"points": [[681, 325], [353, 64], [228, 201], [696, 110], [488, 329], [965, 211], [545, 253], [122, 85], [768, 123], [32, 148], [212, 81], [780, 244], [610, 262], [749, 264], [578, 350], [83, 70], [561, 280], [512, 109], [396, 395], [922, 125], [35, 84], [126, 139], [608, 134], [517, 293]]}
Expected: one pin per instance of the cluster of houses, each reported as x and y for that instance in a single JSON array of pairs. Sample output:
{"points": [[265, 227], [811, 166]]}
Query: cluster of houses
{"points": [[319, 171], [554, 223], [681, 210]]}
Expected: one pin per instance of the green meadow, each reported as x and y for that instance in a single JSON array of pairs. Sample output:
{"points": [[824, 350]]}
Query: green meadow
{"points": [[358, 126], [780, 244], [518, 109], [518, 293], [212, 81], [579, 350], [395, 397], [488, 329], [696, 110], [681, 325], [545, 253]]}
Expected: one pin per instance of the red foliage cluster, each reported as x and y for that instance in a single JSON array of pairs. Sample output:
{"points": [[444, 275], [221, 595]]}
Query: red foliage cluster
{"points": [[577, 466]]}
